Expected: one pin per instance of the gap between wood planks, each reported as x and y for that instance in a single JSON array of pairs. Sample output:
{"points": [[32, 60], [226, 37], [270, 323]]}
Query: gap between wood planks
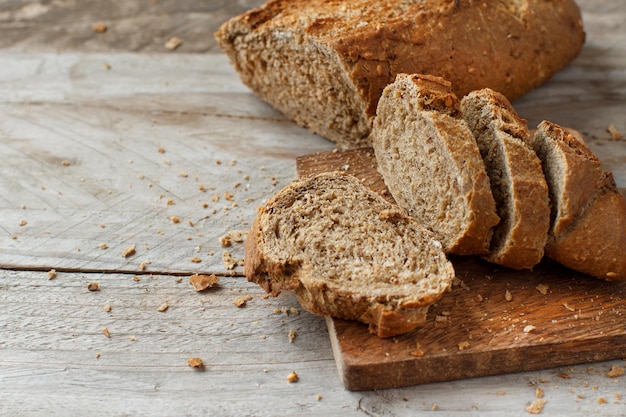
{"points": [[233, 274]]}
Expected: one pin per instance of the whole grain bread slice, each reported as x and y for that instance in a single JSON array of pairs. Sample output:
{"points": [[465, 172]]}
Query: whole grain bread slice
{"points": [[588, 231], [432, 165], [347, 253], [517, 181]]}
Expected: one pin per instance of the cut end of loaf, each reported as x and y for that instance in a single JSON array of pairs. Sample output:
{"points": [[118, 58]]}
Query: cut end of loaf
{"points": [[588, 232], [347, 253]]}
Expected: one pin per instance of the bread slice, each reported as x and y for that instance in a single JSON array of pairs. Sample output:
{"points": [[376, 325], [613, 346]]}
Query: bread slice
{"points": [[347, 253], [325, 63], [517, 181], [431, 163], [588, 231]]}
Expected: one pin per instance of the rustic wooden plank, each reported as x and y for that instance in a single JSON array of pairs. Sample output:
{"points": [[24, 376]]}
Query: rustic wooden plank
{"points": [[52, 331], [138, 26], [92, 156]]}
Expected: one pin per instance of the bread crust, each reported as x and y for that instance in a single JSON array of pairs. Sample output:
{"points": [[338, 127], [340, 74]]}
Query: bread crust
{"points": [[336, 50], [595, 243]]}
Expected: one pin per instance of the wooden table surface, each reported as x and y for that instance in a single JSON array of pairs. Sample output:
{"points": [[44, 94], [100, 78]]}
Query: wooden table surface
{"points": [[110, 141]]}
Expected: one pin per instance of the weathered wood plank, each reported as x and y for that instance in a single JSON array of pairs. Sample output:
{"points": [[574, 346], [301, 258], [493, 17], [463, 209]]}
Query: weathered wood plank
{"points": [[94, 156], [52, 332], [138, 26]]}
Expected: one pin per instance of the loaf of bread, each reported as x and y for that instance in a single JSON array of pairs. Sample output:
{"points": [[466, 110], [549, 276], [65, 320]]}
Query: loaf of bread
{"points": [[432, 165], [325, 63], [347, 253], [517, 181], [588, 231]]}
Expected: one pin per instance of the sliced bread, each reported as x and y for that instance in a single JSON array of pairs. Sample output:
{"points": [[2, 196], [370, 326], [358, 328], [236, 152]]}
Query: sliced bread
{"points": [[588, 231], [347, 253], [432, 165], [517, 181]]}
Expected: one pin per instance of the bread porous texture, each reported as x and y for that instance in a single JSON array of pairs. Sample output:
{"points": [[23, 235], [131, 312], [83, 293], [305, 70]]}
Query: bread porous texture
{"points": [[324, 64], [431, 164], [517, 181], [347, 253]]}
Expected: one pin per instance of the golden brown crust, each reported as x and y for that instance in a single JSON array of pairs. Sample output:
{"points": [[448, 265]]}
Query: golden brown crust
{"points": [[595, 243], [510, 47]]}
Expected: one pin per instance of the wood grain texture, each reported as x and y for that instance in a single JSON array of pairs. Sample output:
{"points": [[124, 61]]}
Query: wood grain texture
{"points": [[91, 157]]}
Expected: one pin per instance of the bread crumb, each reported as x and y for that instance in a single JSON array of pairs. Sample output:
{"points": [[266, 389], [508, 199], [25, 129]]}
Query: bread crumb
{"points": [[183, 174], [543, 288], [196, 260], [175, 219], [616, 371], [225, 241], [536, 407], [441, 318], [163, 307], [418, 352], [99, 27], [104, 246], [22, 222], [98, 355], [136, 278], [173, 43], [501, 393], [52, 274], [435, 407], [195, 362], [318, 397], [564, 375], [539, 392], [292, 335], [106, 332], [293, 377], [228, 260], [529, 328], [93, 286], [602, 400], [464, 345], [508, 296], [615, 134], [107, 308], [202, 282], [129, 251], [132, 338], [241, 301]]}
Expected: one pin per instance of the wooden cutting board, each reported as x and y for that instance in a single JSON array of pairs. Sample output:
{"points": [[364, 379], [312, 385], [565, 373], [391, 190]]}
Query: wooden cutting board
{"points": [[493, 321]]}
